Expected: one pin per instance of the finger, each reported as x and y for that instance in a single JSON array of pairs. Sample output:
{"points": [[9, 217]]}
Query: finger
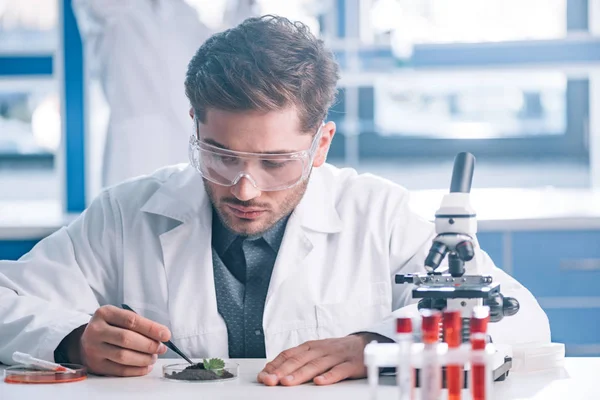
{"points": [[287, 355], [311, 369], [291, 356], [338, 373], [111, 368], [267, 379], [134, 322], [126, 357], [131, 340], [286, 362], [310, 360]]}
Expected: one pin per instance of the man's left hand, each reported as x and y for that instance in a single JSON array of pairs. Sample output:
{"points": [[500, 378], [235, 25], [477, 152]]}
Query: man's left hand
{"points": [[322, 361]]}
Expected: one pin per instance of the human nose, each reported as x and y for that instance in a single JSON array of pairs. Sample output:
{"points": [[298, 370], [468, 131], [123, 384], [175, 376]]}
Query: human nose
{"points": [[244, 190]]}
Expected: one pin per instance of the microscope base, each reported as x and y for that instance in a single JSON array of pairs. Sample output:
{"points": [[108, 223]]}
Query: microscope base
{"points": [[500, 373], [385, 356]]}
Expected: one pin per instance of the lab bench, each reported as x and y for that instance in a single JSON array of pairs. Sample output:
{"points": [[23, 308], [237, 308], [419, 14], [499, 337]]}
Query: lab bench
{"points": [[547, 239], [576, 379]]}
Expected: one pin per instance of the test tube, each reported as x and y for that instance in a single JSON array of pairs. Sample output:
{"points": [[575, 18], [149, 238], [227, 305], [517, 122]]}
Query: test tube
{"points": [[481, 377], [373, 379], [452, 323], [27, 359], [404, 370], [431, 370], [371, 360]]}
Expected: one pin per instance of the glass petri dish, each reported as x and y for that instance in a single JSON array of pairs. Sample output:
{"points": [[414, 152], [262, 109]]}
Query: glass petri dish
{"points": [[30, 375], [183, 373]]}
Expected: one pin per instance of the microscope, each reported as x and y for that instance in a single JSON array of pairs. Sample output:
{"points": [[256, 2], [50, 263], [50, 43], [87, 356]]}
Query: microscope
{"points": [[451, 288], [447, 287]]}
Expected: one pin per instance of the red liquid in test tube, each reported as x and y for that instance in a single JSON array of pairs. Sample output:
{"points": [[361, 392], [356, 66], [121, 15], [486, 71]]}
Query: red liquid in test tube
{"points": [[452, 323], [480, 379], [431, 370], [404, 370]]}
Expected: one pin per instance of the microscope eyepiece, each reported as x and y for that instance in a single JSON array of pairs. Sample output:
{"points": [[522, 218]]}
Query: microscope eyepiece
{"points": [[462, 174]]}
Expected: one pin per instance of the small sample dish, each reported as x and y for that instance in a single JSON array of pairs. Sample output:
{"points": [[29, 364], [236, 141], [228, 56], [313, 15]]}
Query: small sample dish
{"points": [[197, 373], [28, 375]]}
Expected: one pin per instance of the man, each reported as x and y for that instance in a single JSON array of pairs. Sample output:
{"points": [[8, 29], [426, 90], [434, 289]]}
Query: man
{"points": [[258, 249]]}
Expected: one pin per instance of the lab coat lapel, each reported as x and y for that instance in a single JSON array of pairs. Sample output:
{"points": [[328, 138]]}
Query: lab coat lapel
{"points": [[187, 259], [296, 245], [314, 216]]}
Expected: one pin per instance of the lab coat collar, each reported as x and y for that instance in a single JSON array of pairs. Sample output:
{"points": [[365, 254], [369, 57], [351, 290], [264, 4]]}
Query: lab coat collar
{"points": [[182, 197], [316, 210]]}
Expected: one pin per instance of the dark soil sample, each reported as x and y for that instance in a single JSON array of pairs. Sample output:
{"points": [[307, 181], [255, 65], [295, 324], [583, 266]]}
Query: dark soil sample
{"points": [[197, 372]]}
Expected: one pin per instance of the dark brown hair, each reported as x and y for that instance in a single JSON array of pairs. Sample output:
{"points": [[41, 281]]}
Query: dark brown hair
{"points": [[265, 64]]}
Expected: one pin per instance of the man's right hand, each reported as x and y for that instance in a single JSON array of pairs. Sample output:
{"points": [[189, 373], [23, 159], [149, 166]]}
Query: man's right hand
{"points": [[118, 342]]}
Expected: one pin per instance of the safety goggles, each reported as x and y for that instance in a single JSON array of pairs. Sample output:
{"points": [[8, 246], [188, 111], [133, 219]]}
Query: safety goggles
{"points": [[266, 172]]}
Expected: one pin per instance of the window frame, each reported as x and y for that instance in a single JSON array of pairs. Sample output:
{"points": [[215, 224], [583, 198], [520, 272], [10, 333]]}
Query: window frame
{"points": [[66, 61], [574, 54]]}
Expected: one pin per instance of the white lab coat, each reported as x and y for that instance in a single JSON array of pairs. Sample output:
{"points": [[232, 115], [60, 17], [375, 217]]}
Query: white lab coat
{"points": [[147, 243], [140, 50]]}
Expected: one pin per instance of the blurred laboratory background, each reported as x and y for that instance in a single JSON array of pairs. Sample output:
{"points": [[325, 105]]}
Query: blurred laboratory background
{"points": [[515, 82]]}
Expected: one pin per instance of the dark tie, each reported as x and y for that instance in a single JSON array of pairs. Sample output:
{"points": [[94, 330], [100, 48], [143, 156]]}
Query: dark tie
{"points": [[251, 262], [235, 259]]}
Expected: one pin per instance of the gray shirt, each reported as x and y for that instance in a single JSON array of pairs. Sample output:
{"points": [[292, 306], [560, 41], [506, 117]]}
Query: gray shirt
{"points": [[242, 269]]}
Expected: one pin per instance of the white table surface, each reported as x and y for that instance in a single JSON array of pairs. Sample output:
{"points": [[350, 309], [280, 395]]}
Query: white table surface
{"points": [[576, 381]]}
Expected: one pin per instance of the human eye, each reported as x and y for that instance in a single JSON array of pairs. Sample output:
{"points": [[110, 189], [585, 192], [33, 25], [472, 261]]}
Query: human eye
{"points": [[227, 160], [274, 164]]}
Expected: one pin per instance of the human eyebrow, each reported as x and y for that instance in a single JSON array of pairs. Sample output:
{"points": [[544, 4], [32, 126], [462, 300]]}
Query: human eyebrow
{"points": [[215, 144], [222, 146]]}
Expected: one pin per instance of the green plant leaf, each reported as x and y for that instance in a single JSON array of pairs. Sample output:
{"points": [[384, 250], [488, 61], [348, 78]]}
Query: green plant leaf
{"points": [[214, 364]]}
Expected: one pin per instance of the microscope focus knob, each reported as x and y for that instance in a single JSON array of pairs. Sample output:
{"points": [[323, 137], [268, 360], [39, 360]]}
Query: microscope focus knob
{"points": [[501, 306], [496, 305], [510, 307]]}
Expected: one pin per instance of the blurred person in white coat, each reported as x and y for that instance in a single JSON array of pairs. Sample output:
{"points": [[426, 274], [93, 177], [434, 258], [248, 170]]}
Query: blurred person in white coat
{"points": [[139, 49], [257, 248]]}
